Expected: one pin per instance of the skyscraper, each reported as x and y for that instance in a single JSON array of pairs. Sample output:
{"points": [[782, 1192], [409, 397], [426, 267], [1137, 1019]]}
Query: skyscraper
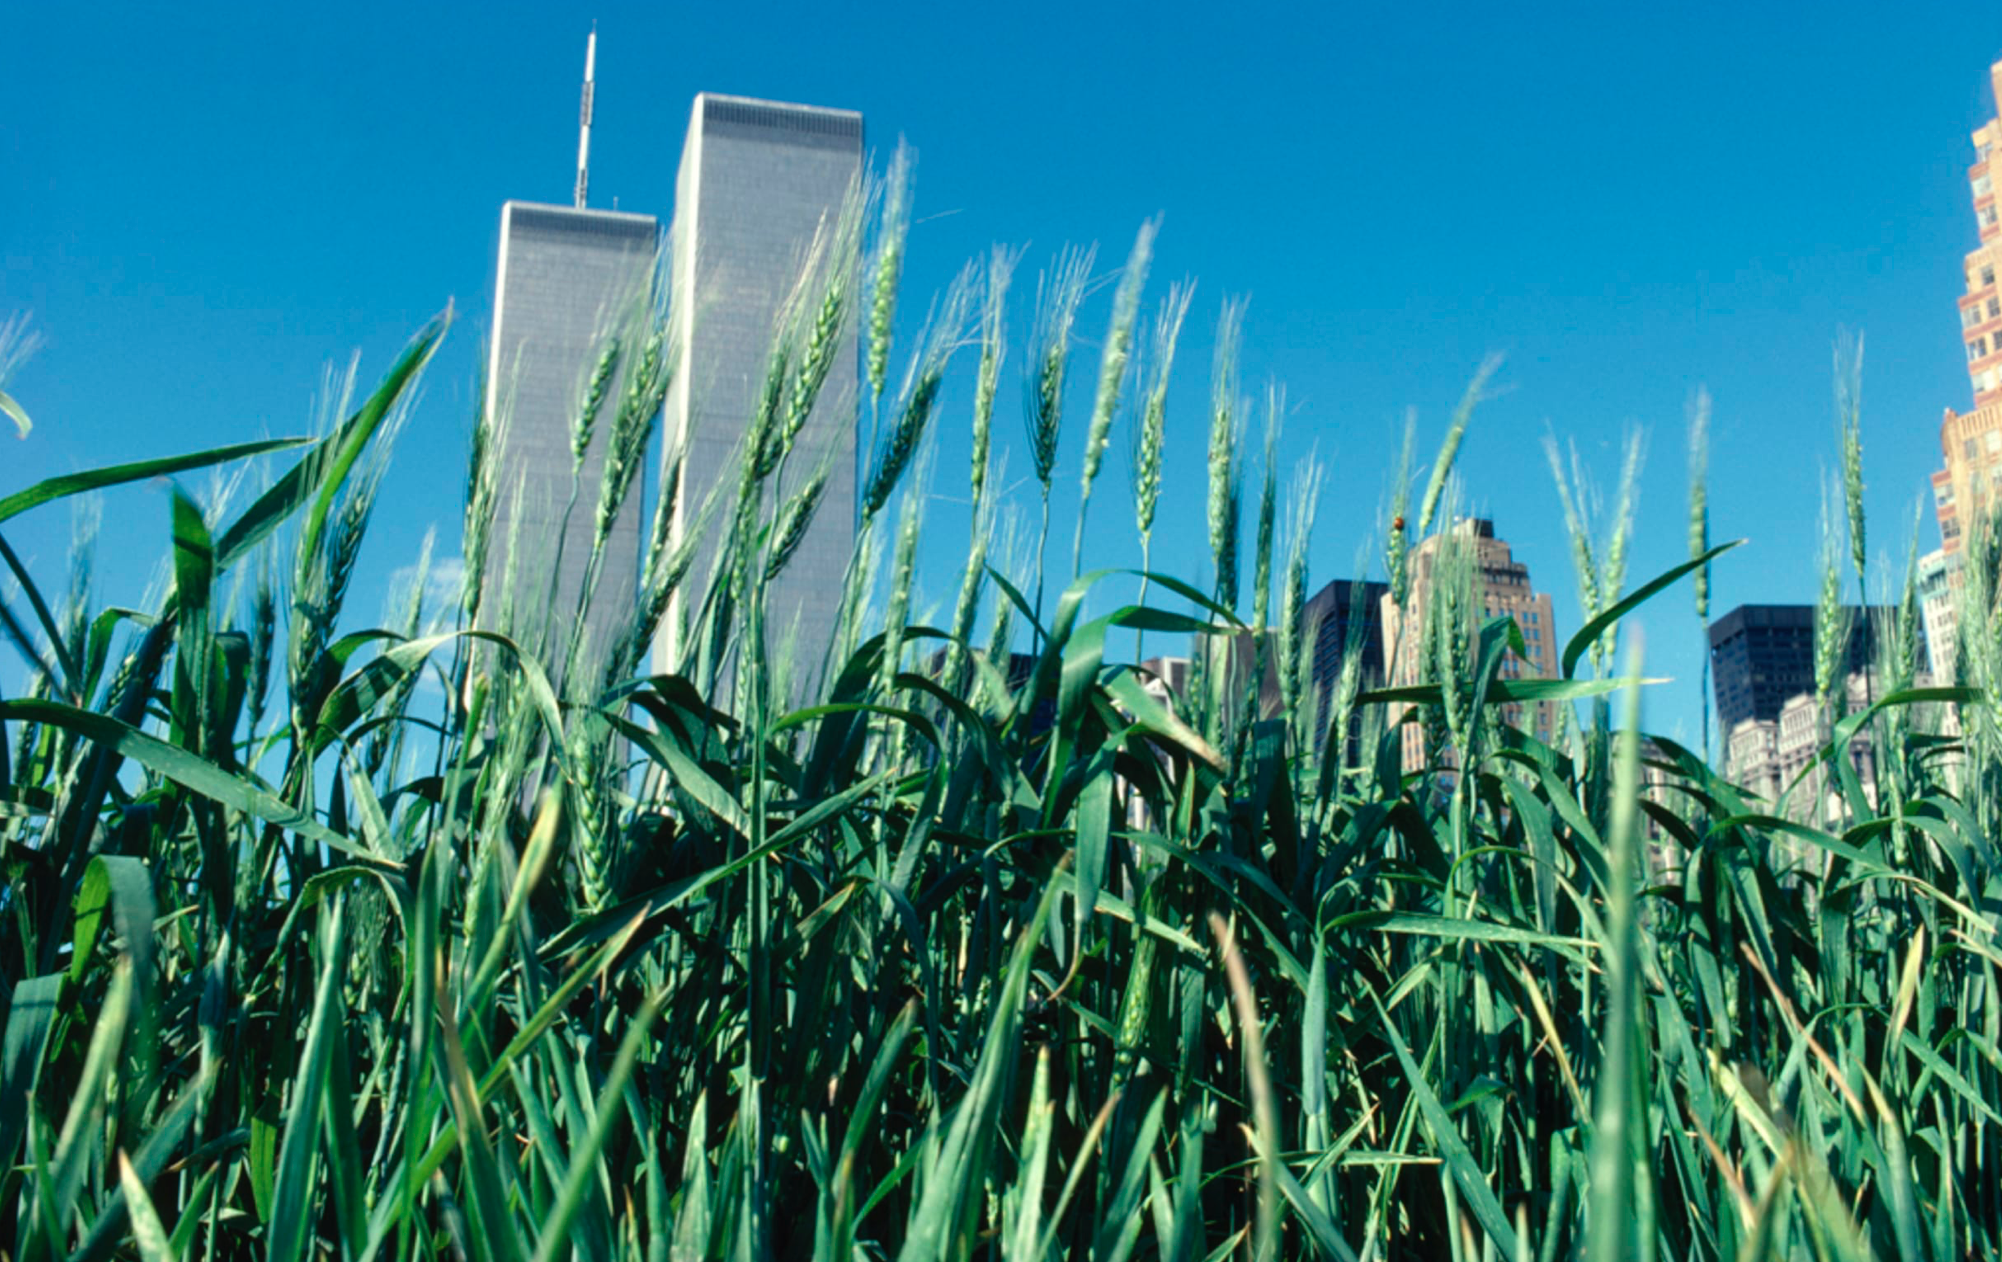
{"points": [[569, 281], [1969, 489], [1342, 608], [573, 299], [758, 180], [1502, 588], [1762, 656]]}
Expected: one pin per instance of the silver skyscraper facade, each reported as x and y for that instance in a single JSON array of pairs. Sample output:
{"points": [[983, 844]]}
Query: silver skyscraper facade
{"points": [[569, 281], [758, 180]]}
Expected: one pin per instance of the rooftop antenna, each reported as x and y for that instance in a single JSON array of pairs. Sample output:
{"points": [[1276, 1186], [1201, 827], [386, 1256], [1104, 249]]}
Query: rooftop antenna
{"points": [[584, 118]]}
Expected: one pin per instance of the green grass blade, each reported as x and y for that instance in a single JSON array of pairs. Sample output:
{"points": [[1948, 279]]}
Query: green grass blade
{"points": [[555, 1231], [185, 769], [148, 1232], [1619, 1108], [50, 489], [1581, 643], [1459, 1159], [289, 1231], [31, 1016]]}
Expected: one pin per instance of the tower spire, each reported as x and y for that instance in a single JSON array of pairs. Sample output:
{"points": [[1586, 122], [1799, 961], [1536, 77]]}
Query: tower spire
{"points": [[584, 118]]}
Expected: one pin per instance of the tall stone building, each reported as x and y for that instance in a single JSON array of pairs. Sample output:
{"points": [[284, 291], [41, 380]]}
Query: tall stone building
{"points": [[758, 180], [1968, 490], [568, 281], [1503, 589]]}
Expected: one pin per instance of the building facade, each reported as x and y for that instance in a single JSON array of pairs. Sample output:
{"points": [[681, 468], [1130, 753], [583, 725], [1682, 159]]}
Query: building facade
{"points": [[1502, 589], [758, 180], [1343, 609], [1778, 757], [1762, 656], [1939, 611], [1967, 491], [568, 282]]}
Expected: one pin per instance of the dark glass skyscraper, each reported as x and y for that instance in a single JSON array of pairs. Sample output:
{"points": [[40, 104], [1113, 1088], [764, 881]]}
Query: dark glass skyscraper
{"points": [[757, 181], [1761, 656]]}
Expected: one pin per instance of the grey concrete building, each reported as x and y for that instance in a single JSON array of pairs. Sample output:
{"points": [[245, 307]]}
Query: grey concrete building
{"points": [[568, 280], [758, 180]]}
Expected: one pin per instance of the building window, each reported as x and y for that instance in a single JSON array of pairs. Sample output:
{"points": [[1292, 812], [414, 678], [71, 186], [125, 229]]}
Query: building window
{"points": [[1945, 495], [1988, 274], [1970, 316], [1967, 449], [1987, 215], [1977, 348], [1982, 186], [1994, 307]]}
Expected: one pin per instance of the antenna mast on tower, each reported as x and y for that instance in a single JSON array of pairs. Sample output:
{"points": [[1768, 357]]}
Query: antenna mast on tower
{"points": [[584, 118]]}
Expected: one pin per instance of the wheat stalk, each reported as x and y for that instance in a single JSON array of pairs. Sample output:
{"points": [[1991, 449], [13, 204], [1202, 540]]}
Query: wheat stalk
{"points": [[1849, 435], [18, 344], [1295, 637], [993, 350], [1699, 534], [973, 577], [1268, 510], [1397, 539], [1112, 363], [790, 527], [1576, 493], [1849, 438], [1150, 435], [1699, 496], [632, 430], [584, 418], [945, 329], [1226, 471], [1831, 616], [903, 574], [886, 268], [1456, 432]]}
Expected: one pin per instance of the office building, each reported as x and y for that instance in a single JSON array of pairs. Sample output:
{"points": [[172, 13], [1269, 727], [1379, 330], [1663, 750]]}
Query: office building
{"points": [[1502, 589], [1966, 490], [758, 180], [1762, 656], [569, 283], [569, 280], [1939, 611], [1340, 609], [1772, 757]]}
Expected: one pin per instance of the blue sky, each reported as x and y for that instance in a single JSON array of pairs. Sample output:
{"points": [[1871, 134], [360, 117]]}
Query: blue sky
{"points": [[202, 206]]}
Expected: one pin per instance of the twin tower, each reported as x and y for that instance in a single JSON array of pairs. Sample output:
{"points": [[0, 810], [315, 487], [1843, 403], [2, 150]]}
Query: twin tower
{"points": [[757, 181]]}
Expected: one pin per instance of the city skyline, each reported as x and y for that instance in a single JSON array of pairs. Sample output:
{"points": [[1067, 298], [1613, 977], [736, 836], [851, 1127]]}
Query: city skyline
{"points": [[1359, 317]]}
